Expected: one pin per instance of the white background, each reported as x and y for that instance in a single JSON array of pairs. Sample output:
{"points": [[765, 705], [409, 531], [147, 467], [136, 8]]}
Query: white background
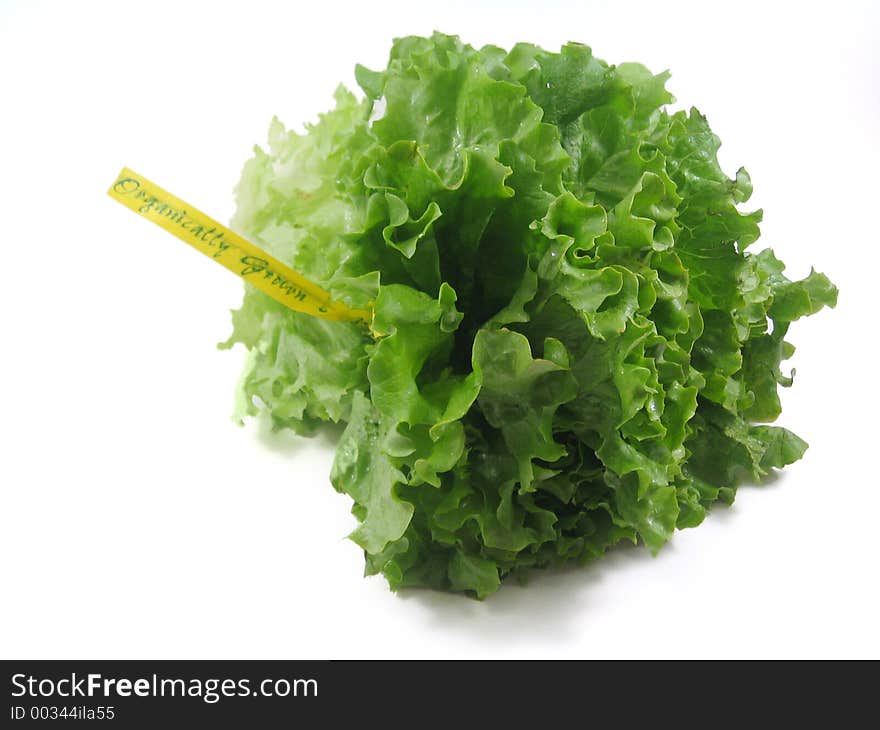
{"points": [[138, 521]]}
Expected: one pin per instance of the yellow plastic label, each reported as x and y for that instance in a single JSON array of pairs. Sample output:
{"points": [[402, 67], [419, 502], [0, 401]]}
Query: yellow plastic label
{"points": [[229, 249]]}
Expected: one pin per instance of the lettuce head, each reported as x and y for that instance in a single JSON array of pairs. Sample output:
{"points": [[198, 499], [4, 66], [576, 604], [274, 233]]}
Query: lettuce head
{"points": [[571, 346]]}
